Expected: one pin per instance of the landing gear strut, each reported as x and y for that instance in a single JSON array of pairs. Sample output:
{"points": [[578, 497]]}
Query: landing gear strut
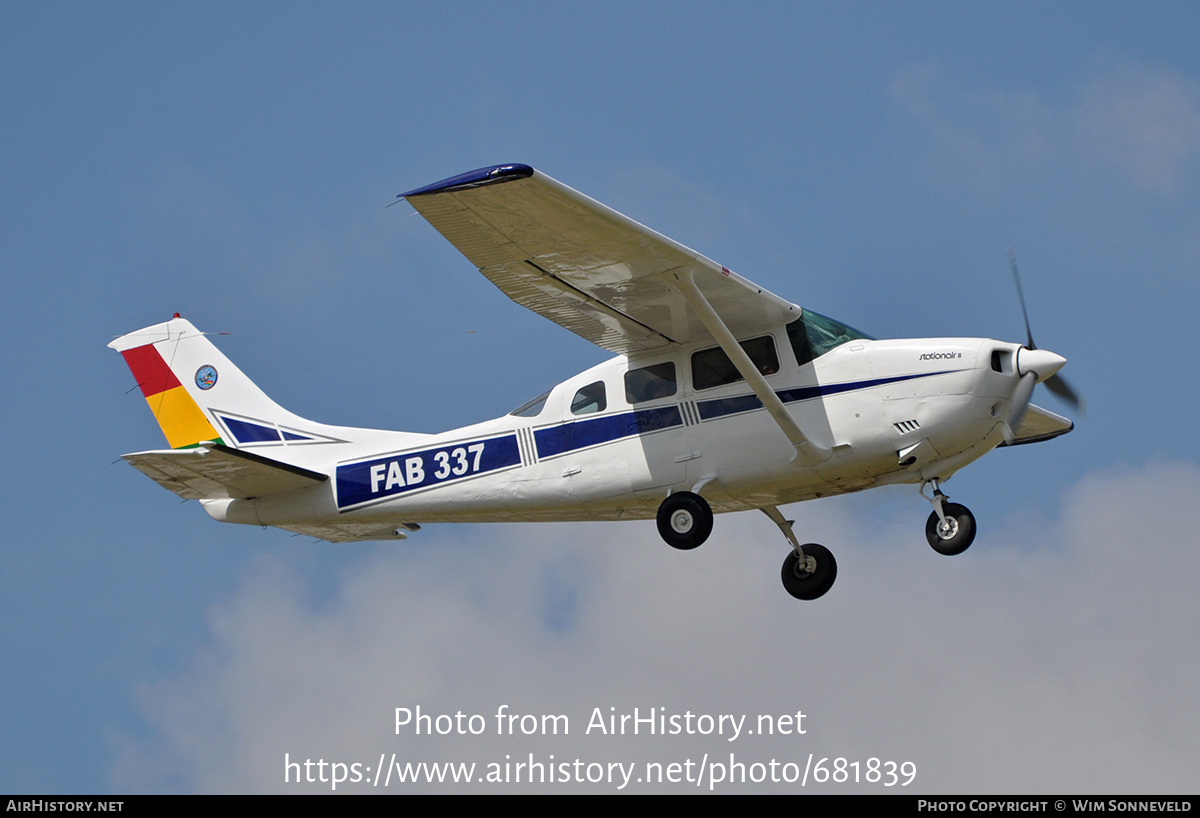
{"points": [[810, 569], [684, 520], [950, 529]]}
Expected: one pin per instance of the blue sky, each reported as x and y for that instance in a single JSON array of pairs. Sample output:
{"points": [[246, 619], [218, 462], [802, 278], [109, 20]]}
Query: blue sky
{"points": [[870, 161]]}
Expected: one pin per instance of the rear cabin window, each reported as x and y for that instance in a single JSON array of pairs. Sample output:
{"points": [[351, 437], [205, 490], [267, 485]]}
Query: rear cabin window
{"points": [[589, 399], [650, 382], [712, 367]]}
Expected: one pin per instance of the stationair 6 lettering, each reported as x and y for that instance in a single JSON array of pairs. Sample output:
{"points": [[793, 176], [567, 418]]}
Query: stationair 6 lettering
{"points": [[386, 476]]}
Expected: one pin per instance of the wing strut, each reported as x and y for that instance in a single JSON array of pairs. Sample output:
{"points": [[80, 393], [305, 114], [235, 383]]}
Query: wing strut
{"points": [[808, 452]]}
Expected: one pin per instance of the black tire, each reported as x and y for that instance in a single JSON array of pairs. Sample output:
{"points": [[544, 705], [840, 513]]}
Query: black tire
{"points": [[959, 535], [684, 520], [803, 584]]}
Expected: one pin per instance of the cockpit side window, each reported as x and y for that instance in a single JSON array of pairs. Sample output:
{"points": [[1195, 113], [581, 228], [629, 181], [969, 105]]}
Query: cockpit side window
{"points": [[813, 334], [531, 409], [589, 399], [712, 367], [650, 382]]}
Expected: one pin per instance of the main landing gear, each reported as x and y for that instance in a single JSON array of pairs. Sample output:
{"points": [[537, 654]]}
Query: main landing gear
{"points": [[950, 529], [684, 520], [810, 569], [810, 574]]}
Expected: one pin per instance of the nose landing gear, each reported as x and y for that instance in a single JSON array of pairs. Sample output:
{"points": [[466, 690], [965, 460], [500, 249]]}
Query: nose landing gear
{"points": [[950, 528]]}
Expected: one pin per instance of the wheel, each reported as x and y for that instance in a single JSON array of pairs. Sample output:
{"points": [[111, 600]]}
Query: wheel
{"points": [[804, 584], [958, 533], [684, 520]]}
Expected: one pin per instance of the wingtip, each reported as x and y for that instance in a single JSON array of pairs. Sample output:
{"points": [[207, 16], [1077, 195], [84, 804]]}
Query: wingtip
{"points": [[493, 174]]}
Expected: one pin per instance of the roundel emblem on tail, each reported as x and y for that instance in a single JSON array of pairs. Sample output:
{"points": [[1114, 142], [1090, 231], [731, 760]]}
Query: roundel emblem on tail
{"points": [[206, 377]]}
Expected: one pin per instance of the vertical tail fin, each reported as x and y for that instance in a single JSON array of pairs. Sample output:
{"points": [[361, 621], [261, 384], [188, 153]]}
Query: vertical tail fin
{"points": [[196, 394]]}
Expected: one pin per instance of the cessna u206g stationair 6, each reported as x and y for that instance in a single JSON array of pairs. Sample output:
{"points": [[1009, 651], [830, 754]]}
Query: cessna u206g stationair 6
{"points": [[722, 397]]}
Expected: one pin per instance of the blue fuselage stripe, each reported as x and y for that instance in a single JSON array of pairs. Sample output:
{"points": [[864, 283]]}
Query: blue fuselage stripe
{"points": [[720, 407], [395, 474], [583, 433], [399, 473]]}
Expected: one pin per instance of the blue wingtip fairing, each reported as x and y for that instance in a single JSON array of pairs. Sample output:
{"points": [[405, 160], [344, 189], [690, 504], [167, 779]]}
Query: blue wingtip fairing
{"points": [[491, 175]]}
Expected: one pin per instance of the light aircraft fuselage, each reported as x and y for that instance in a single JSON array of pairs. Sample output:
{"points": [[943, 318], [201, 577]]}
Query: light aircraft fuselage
{"points": [[723, 397], [619, 461]]}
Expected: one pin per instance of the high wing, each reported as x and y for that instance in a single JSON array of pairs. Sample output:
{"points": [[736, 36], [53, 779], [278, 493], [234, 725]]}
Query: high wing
{"points": [[602, 275], [584, 265], [213, 471]]}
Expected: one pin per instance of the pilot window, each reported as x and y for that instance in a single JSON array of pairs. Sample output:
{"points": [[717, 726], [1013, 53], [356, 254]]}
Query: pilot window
{"points": [[589, 399], [650, 382], [813, 334], [712, 367]]}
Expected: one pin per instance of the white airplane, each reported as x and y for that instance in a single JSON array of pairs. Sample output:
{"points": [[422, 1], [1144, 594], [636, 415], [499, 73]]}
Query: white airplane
{"points": [[721, 397]]}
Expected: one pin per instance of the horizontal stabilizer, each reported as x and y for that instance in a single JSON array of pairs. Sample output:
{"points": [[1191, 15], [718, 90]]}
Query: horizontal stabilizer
{"points": [[211, 472], [1039, 424]]}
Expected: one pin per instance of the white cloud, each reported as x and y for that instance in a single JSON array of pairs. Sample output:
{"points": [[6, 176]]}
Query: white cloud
{"points": [[980, 134], [1141, 124], [1053, 656], [1145, 123]]}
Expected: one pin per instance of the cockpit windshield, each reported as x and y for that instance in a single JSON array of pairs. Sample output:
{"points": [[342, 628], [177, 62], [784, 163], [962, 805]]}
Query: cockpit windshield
{"points": [[531, 409], [813, 334]]}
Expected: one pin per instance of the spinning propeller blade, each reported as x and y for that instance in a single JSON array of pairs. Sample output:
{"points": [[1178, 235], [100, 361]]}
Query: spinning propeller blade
{"points": [[1012, 265], [1059, 386], [1020, 402], [1055, 383]]}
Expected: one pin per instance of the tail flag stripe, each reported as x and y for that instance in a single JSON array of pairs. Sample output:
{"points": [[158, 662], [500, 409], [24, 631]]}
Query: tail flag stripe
{"points": [[180, 419], [150, 370]]}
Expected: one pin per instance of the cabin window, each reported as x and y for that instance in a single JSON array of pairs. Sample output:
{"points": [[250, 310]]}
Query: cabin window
{"points": [[813, 334], [531, 409], [589, 399], [650, 382], [712, 367]]}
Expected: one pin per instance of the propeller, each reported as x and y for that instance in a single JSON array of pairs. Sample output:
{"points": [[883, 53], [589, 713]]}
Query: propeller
{"points": [[1031, 361], [1020, 402]]}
